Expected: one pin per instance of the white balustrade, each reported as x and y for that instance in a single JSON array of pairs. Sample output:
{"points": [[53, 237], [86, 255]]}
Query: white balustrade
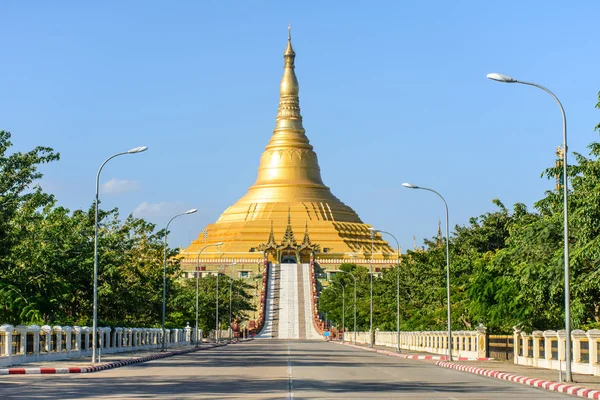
{"points": [[22, 344], [547, 350], [470, 344]]}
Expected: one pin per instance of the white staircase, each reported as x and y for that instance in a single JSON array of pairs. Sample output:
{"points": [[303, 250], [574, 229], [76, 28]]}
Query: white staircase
{"points": [[288, 310], [288, 302]]}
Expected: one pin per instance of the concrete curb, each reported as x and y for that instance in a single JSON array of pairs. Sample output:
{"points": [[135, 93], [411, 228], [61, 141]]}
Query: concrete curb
{"points": [[95, 368], [540, 383], [413, 357]]}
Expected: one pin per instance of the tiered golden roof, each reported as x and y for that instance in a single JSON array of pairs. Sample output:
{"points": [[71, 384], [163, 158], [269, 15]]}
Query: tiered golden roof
{"points": [[289, 193]]}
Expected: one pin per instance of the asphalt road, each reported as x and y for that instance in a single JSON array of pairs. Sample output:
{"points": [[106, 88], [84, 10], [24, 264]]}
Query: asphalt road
{"points": [[272, 369]]}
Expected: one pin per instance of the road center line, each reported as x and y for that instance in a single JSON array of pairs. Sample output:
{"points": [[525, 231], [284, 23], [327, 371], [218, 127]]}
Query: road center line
{"points": [[290, 379]]}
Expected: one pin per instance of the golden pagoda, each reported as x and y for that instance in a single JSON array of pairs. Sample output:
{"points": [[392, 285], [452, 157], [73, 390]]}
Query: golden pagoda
{"points": [[289, 215]]}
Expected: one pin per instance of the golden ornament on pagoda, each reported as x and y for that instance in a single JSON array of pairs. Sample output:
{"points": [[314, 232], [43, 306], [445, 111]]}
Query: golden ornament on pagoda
{"points": [[289, 201]]}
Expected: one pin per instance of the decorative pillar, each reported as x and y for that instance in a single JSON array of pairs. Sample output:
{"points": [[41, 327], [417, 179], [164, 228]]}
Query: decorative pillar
{"points": [[516, 343], [100, 337], [57, 330], [562, 336], [593, 335], [548, 335], [85, 331], [481, 340], [537, 338], [577, 335], [22, 329], [36, 340], [77, 331], [114, 339], [68, 332], [48, 335], [524, 336], [188, 333], [8, 331]]}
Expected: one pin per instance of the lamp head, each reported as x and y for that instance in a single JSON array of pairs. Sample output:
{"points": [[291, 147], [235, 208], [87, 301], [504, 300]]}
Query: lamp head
{"points": [[410, 185], [138, 149], [501, 78], [193, 210], [219, 244]]}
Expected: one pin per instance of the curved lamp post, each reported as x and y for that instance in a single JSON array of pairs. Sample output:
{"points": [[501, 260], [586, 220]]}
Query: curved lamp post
{"points": [[507, 79], [164, 299], [217, 336], [410, 186], [344, 272], [135, 150], [397, 288], [371, 291], [343, 309], [197, 282]]}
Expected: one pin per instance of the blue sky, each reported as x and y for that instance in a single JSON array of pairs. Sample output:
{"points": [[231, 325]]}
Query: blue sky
{"points": [[390, 92]]}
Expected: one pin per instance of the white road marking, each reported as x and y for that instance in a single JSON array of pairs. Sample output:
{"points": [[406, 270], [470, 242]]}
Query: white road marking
{"points": [[290, 379]]}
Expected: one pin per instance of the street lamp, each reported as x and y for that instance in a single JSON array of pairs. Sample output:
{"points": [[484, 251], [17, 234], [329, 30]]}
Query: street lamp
{"points": [[164, 299], [397, 287], [197, 281], [217, 336], [410, 186], [507, 79], [230, 297], [371, 292], [344, 272], [135, 150], [343, 310]]}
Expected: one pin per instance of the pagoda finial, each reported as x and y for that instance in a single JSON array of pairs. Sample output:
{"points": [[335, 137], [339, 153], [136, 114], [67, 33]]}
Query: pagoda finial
{"points": [[289, 103]]}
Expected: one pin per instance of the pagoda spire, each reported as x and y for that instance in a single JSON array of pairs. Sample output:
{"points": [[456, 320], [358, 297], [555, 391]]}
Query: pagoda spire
{"points": [[289, 102], [288, 237]]}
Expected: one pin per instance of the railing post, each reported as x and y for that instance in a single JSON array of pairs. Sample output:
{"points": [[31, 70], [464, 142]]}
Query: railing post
{"points": [[537, 335], [577, 335], [77, 331], [35, 329], [524, 337], [188, 333], [481, 340], [57, 330], [8, 330], [68, 332], [516, 344], [48, 334], [22, 329], [129, 337], [562, 336], [593, 335]]}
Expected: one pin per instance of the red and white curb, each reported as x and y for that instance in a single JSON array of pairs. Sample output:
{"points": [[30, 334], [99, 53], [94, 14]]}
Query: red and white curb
{"points": [[540, 383], [412, 356], [94, 368]]}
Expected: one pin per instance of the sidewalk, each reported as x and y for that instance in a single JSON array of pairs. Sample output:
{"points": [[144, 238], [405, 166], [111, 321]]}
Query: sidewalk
{"points": [[409, 354], [108, 361], [587, 386]]}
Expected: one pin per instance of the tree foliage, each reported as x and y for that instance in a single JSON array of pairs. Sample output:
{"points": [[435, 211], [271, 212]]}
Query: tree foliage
{"points": [[507, 266], [46, 259]]}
